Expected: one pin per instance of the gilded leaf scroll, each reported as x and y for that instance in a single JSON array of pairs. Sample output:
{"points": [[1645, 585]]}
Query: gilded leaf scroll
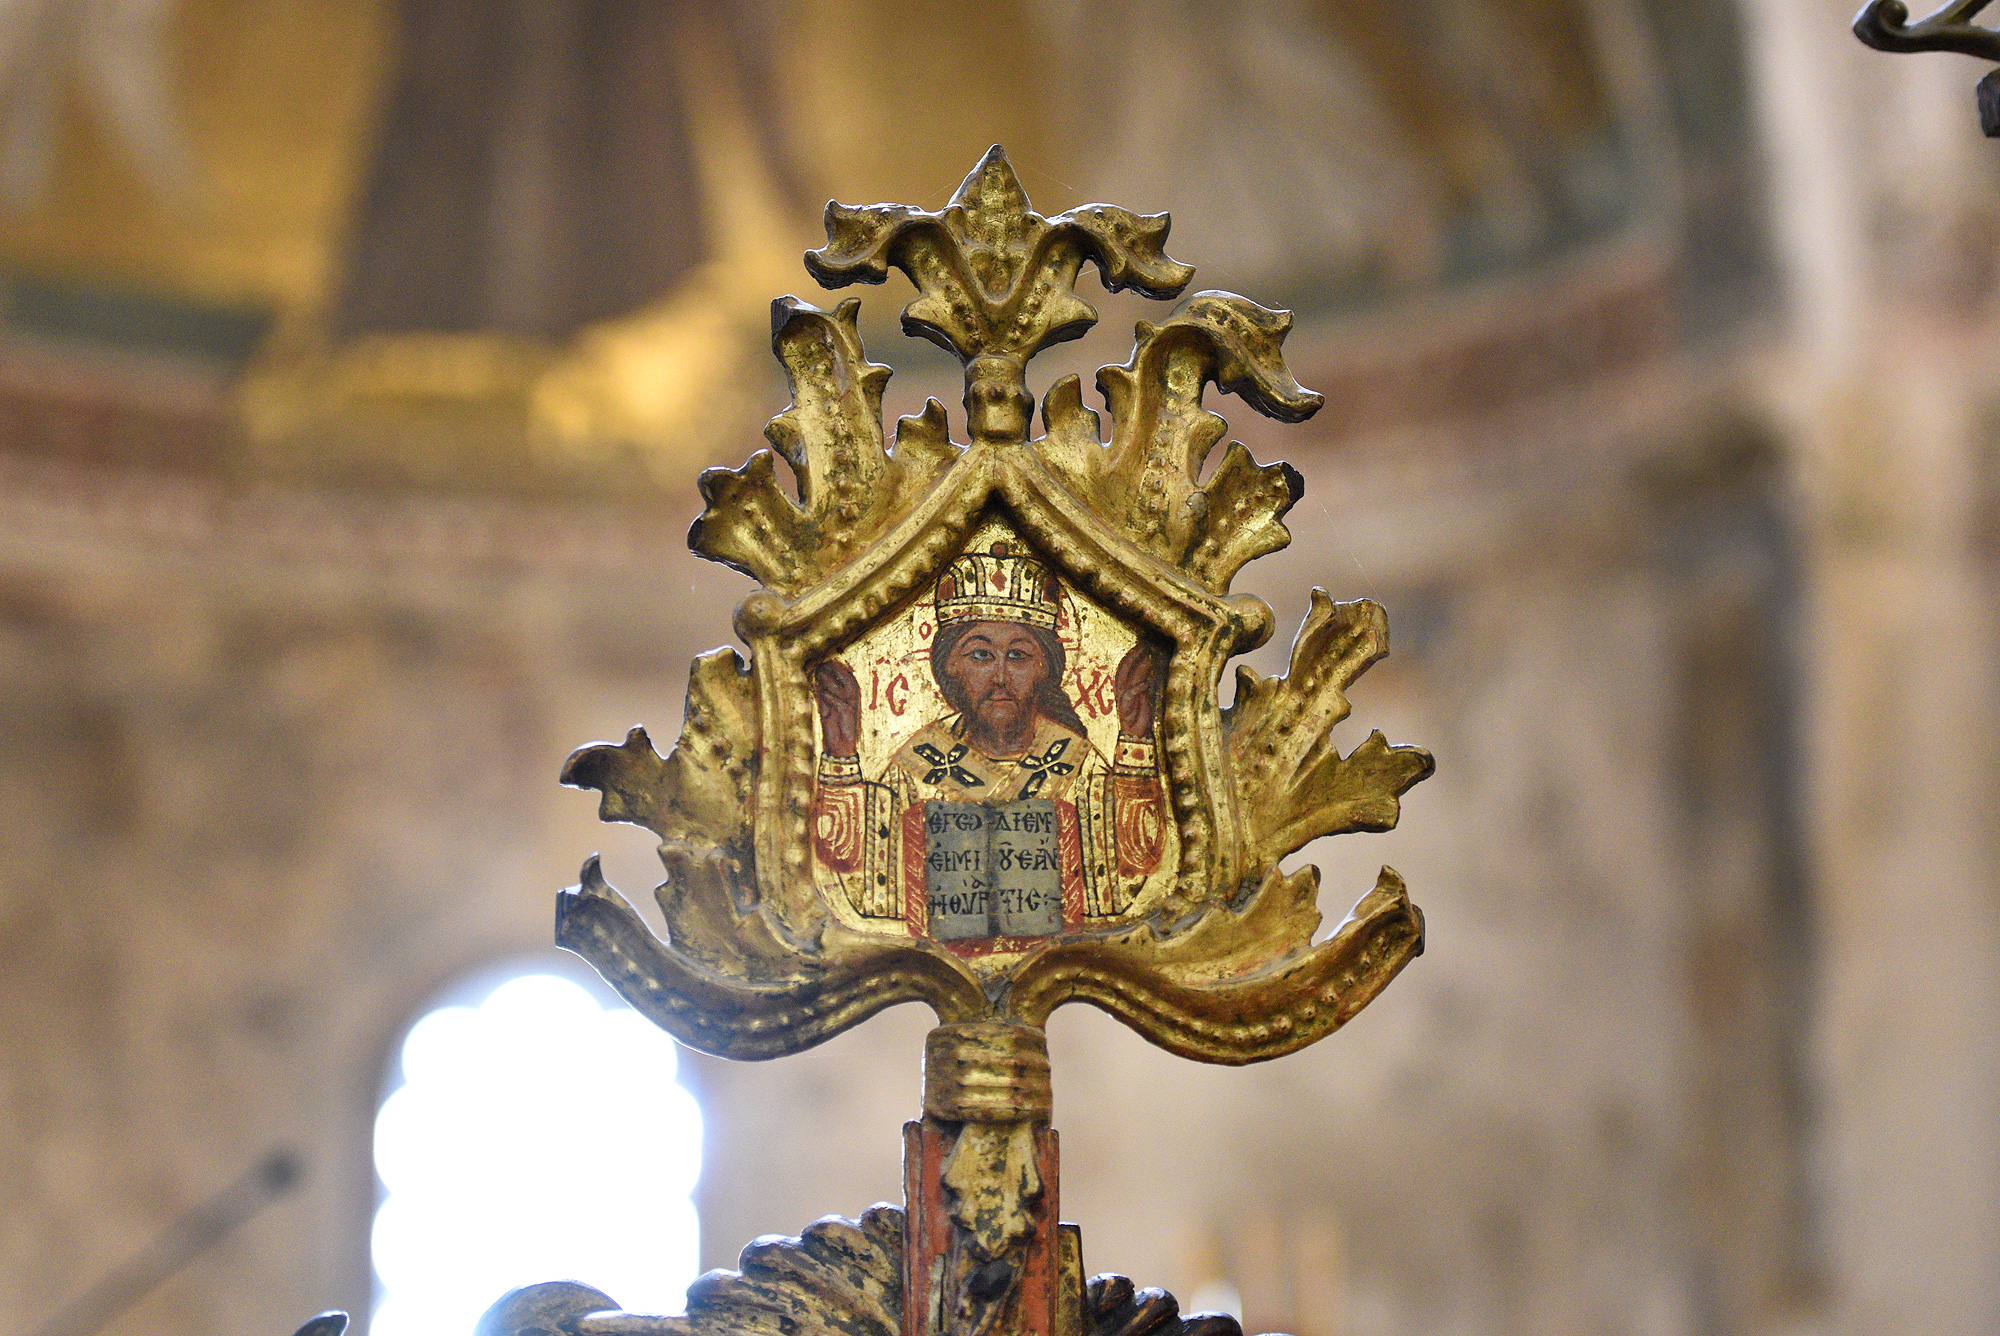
{"points": [[1292, 782], [850, 489], [1222, 966]]}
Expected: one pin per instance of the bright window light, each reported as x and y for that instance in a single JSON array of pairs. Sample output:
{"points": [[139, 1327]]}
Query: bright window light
{"points": [[536, 1136]]}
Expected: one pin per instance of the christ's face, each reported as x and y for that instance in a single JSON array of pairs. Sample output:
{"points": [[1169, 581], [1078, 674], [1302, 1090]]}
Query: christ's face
{"points": [[998, 667]]}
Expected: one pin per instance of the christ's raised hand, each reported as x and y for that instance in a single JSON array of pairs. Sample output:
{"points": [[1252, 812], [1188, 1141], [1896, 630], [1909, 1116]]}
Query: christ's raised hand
{"points": [[1136, 689], [838, 692]]}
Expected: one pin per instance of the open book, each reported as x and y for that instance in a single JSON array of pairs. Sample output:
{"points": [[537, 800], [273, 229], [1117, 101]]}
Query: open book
{"points": [[992, 870]]}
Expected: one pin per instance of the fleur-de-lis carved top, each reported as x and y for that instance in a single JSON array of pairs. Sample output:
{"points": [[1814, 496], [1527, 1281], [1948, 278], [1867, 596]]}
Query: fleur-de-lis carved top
{"points": [[996, 280]]}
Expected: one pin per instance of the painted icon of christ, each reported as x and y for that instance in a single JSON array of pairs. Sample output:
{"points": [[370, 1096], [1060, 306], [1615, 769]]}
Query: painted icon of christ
{"points": [[1000, 820]]}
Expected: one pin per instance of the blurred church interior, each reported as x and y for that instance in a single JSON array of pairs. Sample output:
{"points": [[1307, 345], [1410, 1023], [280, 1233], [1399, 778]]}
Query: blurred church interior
{"points": [[356, 359]]}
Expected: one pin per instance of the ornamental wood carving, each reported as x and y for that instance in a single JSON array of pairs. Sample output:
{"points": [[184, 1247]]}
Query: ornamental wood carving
{"points": [[975, 755]]}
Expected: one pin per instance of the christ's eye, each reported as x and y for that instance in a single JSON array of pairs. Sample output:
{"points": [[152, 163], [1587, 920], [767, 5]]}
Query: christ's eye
{"points": [[980, 655], [1018, 656]]}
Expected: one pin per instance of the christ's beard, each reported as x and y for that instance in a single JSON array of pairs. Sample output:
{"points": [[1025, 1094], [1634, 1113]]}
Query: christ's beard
{"points": [[1000, 716]]}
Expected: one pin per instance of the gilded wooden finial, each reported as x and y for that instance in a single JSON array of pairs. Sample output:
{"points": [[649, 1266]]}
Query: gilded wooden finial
{"points": [[975, 756]]}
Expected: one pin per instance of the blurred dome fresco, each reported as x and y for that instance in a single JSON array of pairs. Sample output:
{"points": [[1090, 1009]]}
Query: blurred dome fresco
{"points": [[526, 244]]}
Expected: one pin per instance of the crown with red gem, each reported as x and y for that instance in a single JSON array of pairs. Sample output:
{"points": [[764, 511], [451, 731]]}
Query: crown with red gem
{"points": [[996, 586]]}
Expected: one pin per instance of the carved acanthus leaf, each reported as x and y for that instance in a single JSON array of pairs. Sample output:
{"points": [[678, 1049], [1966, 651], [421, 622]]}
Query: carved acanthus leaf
{"points": [[697, 800], [713, 917], [1885, 25], [543, 1309], [1146, 481], [699, 793], [1292, 783], [1241, 521], [630, 777], [849, 488], [1290, 1002], [838, 1278], [992, 275], [759, 1005], [1276, 920], [1115, 1307]]}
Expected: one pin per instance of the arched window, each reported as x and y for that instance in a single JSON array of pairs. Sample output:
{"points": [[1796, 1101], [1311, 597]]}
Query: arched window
{"points": [[537, 1134]]}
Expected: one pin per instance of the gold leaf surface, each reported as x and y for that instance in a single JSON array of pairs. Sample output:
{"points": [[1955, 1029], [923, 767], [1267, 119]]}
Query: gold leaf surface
{"points": [[1292, 783], [754, 963], [1296, 1001], [796, 1001], [849, 488], [1276, 920], [700, 792], [1146, 480], [992, 275]]}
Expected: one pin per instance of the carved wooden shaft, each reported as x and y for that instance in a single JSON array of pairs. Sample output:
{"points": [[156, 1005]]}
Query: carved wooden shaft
{"points": [[985, 1256]]}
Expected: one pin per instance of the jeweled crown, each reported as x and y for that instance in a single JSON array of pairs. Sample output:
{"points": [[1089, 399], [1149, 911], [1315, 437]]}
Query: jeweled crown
{"points": [[997, 586]]}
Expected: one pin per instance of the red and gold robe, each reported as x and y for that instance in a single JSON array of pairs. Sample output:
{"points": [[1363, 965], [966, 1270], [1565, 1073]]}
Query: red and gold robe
{"points": [[1111, 815]]}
